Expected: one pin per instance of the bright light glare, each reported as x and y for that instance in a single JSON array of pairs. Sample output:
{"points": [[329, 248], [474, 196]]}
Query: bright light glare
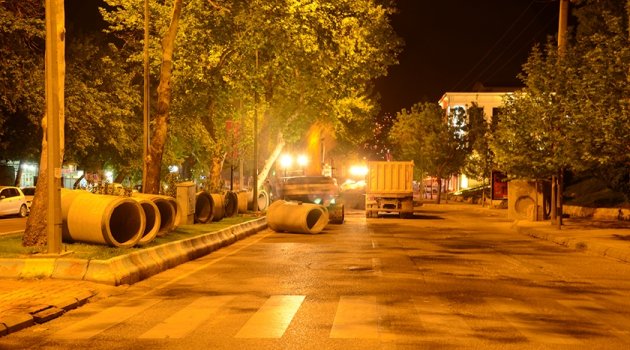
{"points": [[358, 170], [302, 160], [286, 161], [173, 168]]}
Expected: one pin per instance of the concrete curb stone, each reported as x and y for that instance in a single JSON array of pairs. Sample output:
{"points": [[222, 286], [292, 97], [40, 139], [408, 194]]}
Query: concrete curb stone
{"points": [[124, 269], [575, 243], [16, 322]]}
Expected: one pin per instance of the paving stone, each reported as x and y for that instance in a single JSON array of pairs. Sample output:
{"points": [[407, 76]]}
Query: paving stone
{"points": [[15, 322], [48, 314]]}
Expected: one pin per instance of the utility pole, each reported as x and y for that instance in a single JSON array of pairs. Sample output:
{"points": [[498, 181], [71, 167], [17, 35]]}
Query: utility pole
{"points": [[55, 41], [557, 182], [255, 167], [145, 138]]}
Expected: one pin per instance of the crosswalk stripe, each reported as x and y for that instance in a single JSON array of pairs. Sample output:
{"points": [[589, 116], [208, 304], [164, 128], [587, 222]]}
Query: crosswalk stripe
{"points": [[356, 318], [187, 319], [273, 318], [529, 322], [105, 319]]}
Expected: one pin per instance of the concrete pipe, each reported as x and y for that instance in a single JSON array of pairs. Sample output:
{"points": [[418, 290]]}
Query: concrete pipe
{"points": [[115, 221], [153, 220], [231, 204], [296, 217], [203, 207], [67, 197], [166, 209], [243, 201], [218, 206], [263, 200]]}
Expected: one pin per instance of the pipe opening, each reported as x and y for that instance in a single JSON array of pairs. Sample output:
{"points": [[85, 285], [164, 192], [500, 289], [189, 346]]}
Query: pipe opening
{"points": [[231, 204], [149, 213], [313, 217], [203, 208], [125, 222], [167, 215]]}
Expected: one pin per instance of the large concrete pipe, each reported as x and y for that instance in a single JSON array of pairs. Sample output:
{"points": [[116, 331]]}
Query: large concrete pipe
{"points": [[203, 207], [166, 209], [218, 206], [67, 197], [243, 201], [231, 204], [112, 220], [296, 217], [153, 219], [263, 200]]}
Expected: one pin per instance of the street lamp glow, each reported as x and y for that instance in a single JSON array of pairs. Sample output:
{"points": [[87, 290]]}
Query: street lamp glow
{"points": [[358, 170], [286, 161], [302, 160]]}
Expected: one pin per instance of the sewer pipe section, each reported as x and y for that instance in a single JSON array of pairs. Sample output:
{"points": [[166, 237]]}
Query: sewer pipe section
{"points": [[102, 219], [297, 217]]}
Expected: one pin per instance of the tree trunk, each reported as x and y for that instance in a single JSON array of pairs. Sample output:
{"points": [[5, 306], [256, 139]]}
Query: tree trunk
{"points": [[18, 176], [270, 161], [36, 230], [35, 233], [439, 192], [160, 132]]}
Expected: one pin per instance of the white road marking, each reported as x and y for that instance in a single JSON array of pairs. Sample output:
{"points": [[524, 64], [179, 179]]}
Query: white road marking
{"points": [[356, 318], [105, 319], [273, 318], [186, 320]]}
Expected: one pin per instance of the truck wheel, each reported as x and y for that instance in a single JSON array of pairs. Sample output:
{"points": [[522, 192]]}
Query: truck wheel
{"points": [[339, 219]]}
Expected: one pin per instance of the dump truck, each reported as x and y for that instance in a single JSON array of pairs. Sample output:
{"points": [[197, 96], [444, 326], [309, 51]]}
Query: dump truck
{"points": [[389, 188]]}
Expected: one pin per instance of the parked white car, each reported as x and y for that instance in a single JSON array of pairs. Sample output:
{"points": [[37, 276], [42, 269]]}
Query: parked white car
{"points": [[29, 193], [12, 201]]}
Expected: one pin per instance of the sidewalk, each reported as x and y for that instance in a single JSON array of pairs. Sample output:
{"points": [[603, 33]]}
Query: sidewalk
{"points": [[607, 238], [24, 302]]}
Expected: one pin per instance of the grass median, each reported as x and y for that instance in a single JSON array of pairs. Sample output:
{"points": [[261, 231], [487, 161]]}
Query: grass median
{"points": [[11, 246]]}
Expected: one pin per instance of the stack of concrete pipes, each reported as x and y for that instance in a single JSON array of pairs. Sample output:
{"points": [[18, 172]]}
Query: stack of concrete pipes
{"points": [[214, 206], [116, 221]]}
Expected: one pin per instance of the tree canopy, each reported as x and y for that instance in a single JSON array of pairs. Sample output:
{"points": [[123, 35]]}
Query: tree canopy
{"points": [[437, 142], [574, 110]]}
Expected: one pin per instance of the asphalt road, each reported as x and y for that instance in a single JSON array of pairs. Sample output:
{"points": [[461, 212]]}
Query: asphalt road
{"points": [[11, 224], [452, 278]]}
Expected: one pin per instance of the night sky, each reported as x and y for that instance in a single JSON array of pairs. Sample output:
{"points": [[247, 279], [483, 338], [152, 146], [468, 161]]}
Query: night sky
{"points": [[449, 44]]}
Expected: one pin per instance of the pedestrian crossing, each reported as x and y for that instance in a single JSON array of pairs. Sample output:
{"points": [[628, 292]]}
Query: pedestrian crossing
{"points": [[372, 318]]}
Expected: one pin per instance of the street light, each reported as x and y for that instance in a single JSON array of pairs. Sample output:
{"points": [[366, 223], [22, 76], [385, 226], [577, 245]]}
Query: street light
{"points": [[285, 162], [302, 161]]}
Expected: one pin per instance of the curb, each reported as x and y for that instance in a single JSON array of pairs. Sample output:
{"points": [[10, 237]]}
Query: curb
{"points": [[124, 269], [575, 243], [133, 267]]}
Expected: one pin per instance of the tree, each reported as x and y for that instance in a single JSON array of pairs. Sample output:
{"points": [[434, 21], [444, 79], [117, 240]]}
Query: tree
{"points": [[479, 163], [435, 141], [21, 78], [573, 112], [307, 63]]}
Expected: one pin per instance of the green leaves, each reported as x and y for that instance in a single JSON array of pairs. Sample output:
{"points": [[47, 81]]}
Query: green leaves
{"points": [[436, 142], [573, 112]]}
